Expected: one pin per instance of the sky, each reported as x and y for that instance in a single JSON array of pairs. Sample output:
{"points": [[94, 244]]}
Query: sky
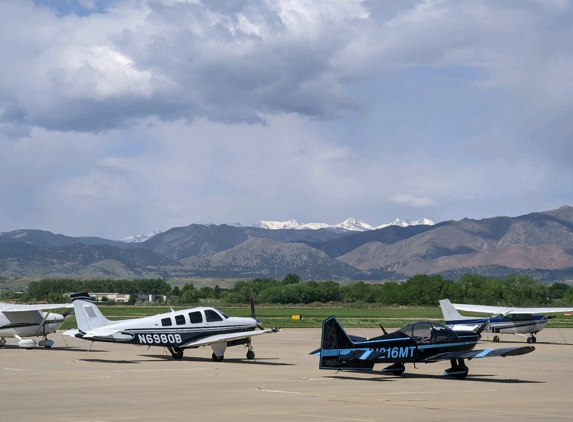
{"points": [[121, 117]]}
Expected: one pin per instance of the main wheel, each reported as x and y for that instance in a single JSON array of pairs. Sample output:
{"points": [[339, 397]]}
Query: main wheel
{"points": [[530, 339], [461, 376], [250, 355], [534, 339], [495, 339], [217, 358], [47, 347], [177, 354]]}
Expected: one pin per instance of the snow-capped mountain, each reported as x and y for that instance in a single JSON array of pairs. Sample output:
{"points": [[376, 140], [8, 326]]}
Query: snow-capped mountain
{"points": [[138, 238], [350, 224]]}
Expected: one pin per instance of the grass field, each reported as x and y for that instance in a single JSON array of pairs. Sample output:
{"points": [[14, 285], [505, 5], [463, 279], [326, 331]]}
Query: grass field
{"points": [[311, 317]]}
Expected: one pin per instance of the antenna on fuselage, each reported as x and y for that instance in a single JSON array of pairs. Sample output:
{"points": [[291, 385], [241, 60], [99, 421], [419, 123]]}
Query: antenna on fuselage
{"points": [[383, 330]]}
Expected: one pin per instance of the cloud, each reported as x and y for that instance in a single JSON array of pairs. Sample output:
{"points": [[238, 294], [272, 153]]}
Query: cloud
{"points": [[131, 116], [413, 200]]}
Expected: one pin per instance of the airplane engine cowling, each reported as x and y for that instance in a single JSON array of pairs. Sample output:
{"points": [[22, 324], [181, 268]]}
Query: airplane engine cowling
{"points": [[27, 343]]}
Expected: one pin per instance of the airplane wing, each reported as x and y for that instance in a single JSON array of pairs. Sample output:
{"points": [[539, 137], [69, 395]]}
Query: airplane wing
{"points": [[221, 338], [506, 310], [5, 307], [23, 317], [477, 354]]}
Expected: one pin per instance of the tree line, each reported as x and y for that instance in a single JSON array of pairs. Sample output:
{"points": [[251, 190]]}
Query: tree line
{"points": [[419, 290]]}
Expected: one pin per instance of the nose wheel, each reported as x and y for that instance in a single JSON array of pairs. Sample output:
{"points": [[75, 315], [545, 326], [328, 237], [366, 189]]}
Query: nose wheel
{"points": [[2, 342], [496, 339], [532, 339]]}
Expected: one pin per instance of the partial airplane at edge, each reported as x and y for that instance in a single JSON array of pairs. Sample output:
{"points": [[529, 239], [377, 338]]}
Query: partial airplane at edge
{"points": [[419, 342], [30, 321], [176, 330], [503, 320]]}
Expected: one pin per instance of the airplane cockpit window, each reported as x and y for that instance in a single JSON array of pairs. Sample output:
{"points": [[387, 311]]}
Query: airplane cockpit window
{"points": [[212, 316], [195, 317], [497, 316], [422, 332], [426, 332], [442, 334], [180, 319], [166, 322]]}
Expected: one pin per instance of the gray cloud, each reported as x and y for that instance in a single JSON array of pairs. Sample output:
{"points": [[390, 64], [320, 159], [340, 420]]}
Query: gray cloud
{"points": [[128, 117]]}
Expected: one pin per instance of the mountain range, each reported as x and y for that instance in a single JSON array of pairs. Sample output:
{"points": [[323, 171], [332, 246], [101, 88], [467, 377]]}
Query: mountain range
{"points": [[540, 243], [349, 224]]}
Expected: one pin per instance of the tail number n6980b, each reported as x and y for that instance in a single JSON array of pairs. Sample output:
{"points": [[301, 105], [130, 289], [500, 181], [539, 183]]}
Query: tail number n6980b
{"points": [[159, 338]]}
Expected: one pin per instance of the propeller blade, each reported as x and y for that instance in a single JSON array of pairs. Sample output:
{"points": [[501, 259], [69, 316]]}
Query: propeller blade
{"points": [[69, 311], [253, 308], [482, 327]]}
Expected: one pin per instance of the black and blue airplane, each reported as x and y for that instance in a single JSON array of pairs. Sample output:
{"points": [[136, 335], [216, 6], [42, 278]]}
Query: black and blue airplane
{"points": [[419, 342]]}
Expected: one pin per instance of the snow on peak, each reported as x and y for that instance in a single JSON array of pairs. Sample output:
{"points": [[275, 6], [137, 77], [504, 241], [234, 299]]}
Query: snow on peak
{"points": [[277, 225], [350, 224], [138, 238]]}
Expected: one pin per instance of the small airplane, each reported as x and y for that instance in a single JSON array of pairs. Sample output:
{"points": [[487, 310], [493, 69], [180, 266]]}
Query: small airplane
{"points": [[176, 330], [418, 342], [30, 321], [503, 320]]}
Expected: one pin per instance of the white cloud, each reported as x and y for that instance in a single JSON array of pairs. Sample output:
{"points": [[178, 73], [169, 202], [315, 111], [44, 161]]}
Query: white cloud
{"points": [[413, 200]]}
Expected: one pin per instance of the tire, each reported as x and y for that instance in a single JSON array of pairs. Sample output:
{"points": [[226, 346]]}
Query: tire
{"points": [[217, 358], [534, 339], [530, 339], [496, 339], [177, 354], [250, 355]]}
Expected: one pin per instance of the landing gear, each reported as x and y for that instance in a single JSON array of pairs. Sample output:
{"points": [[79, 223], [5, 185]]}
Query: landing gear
{"points": [[217, 358], [532, 339], [397, 368], [2, 342], [250, 353], [495, 339], [176, 352], [458, 369]]}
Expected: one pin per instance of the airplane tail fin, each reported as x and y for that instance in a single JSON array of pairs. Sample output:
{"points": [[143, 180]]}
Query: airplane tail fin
{"points": [[88, 315], [450, 313], [336, 349]]}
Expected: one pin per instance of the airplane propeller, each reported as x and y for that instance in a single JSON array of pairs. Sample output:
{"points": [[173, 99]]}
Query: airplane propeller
{"points": [[260, 327], [69, 311], [482, 327]]}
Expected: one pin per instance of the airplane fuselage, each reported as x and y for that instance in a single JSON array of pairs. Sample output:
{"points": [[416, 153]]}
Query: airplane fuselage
{"points": [[175, 329], [508, 324]]}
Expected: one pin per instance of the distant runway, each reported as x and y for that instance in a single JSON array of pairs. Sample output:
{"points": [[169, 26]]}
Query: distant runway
{"points": [[128, 383]]}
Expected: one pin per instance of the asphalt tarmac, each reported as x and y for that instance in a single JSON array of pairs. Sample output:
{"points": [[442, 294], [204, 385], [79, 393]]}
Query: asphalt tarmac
{"points": [[127, 383]]}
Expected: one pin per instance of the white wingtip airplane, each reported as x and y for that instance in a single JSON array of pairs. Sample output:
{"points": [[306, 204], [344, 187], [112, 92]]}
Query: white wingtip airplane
{"points": [[503, 320], [30, 321], [176, 330]]}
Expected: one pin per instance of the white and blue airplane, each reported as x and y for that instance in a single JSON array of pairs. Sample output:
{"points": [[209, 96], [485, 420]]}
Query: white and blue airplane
{"points": [[502, 320], [21, 321], [176, 330]]}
